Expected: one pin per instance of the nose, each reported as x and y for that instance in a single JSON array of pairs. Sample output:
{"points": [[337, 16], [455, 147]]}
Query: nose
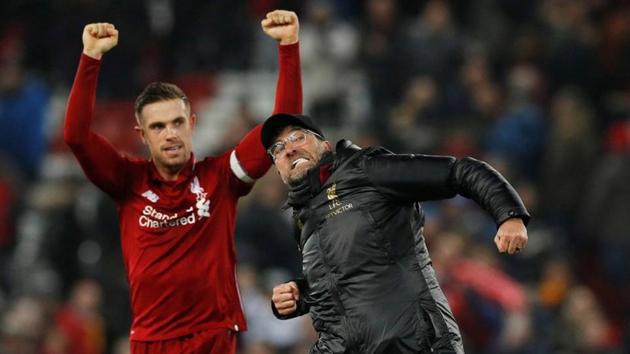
{"points": [[170, 131], [289, 149]]}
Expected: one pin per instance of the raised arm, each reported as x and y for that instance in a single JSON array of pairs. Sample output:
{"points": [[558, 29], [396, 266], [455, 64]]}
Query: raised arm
{"points": [[479, 181], [284, 27], [423, 177], [100, 161], [249, 160]]}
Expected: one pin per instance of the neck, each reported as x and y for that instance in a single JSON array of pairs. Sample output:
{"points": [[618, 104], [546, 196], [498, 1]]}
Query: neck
{"points": [[170, 173]]}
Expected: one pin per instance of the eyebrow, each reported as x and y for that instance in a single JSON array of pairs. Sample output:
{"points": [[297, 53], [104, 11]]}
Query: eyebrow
{"points": [[278, 140], [158, 123]]}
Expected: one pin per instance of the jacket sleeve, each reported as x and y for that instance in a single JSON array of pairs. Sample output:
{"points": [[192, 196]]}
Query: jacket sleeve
{"points": [[302, 306], [417, 178]]}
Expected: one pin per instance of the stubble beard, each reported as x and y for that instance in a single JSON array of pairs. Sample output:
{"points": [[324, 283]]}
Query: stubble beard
{"points": [[296, 179], [300, 176], [174, 165]]}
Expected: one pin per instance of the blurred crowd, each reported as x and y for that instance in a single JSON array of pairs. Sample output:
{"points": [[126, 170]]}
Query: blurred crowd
{"points": [[539, 89]]}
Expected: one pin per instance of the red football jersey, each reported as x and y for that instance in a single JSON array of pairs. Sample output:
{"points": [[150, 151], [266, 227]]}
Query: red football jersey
{"points": [[177, 236]]}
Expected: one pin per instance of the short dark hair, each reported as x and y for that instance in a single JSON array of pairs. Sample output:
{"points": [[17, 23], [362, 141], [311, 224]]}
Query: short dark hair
{"points": [[157, 92]]}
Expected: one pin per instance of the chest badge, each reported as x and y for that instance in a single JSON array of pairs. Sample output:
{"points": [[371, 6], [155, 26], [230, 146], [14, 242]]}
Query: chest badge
{"points": [[331, 192], [203, 204], [335, 204]]}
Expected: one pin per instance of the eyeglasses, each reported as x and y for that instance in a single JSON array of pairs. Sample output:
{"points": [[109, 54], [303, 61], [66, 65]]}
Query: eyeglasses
{"points": [[296, 138]]}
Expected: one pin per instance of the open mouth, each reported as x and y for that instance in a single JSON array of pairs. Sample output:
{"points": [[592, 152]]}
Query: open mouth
{"points": [[173, 149], [298, 161]]}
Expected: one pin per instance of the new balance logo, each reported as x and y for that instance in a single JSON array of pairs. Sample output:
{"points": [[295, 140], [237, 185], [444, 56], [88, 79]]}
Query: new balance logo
{"points": [[152, 197]]}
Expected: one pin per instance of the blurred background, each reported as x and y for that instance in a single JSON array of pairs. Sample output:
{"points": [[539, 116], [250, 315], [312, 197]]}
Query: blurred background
{"points": [[539, 89]]}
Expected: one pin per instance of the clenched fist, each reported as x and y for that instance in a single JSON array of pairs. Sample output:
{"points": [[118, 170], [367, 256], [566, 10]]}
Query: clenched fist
{"points": [[285, 297], [98, 39], [282, 26], [511, 236]]}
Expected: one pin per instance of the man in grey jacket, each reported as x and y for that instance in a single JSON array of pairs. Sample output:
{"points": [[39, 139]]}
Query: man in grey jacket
{"points": [[368, 282]]}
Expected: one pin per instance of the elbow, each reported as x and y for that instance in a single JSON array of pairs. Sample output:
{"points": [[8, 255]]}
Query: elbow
{"points": [[73, 140], [74, 134], [471, 161], [468, 166], [69, 139]]}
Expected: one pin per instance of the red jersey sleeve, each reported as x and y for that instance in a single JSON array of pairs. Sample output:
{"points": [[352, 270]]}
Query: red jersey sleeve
{"points": [[249, 159], [102, 164]]}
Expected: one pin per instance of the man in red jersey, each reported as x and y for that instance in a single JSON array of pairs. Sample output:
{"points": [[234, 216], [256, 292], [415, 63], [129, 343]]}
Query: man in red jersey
{"points": [[177, 213]]}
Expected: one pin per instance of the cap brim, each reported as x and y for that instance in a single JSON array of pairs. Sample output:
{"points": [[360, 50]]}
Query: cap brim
{"points": [[277, 122]]}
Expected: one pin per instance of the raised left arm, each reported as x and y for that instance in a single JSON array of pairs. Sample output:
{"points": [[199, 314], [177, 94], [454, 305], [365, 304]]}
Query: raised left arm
{"points": [[410, 178], [249, 160], [284, 27]]}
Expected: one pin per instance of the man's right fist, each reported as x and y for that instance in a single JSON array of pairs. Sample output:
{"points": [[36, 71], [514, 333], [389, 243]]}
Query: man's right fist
{"points": [[98, 39], [285, 297]]}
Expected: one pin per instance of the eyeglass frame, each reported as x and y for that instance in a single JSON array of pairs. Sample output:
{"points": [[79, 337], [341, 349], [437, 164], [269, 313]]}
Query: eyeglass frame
{"points": [[284, 141]]}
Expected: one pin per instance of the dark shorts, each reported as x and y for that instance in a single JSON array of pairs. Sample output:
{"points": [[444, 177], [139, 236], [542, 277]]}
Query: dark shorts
{"points": [[219, 341]]}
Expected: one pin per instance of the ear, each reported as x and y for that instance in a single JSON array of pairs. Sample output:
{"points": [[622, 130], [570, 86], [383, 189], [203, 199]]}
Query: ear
{"points": [[141, 134], [193, 121], [139, 130], [327, 145]]}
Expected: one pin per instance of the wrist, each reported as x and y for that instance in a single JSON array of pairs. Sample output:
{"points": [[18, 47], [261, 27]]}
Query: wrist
{"points": [[94, 54], [289, 40]]}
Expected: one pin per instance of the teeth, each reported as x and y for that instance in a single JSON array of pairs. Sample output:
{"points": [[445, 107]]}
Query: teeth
{"points": [[298, 161]]}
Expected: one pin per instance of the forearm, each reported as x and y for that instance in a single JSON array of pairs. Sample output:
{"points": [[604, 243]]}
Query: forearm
{"points": [[81, 102], [289, 85], [250, 153], [480, 182]]}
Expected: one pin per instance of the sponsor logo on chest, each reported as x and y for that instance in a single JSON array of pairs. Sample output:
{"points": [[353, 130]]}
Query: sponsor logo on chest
{"points": [[335, 204], [153, 218]]}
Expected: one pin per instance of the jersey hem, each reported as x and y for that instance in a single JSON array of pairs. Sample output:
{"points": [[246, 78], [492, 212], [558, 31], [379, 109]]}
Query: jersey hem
{"points": [[235, 327]]}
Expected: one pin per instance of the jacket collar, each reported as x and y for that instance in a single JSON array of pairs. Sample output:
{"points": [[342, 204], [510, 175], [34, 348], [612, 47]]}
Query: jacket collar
{"points": [[309, 186], [303, 191]]}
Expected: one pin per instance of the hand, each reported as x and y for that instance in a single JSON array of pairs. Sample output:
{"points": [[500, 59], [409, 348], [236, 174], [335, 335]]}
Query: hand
{"points": [[282, 26], [285, 297], [511, 236], [98, 39]]}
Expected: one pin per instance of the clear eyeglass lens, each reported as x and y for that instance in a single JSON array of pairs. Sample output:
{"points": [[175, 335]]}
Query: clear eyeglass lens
{"points": [[276, 149], [297, 137]]}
